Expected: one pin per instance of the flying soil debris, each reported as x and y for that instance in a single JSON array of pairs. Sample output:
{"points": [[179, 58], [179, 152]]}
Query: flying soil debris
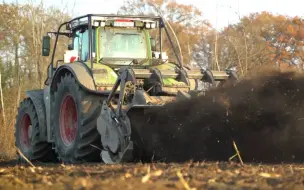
{"points": [[263, 115]]}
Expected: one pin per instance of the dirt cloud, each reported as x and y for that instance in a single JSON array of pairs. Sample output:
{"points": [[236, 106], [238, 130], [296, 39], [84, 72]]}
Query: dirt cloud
{"points": [[263, 114]]}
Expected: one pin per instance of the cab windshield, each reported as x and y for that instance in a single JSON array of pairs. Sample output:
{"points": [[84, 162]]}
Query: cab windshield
{"points": [[120, 46]]}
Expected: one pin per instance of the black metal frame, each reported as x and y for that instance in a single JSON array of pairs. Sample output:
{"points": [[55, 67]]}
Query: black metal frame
{"points": [[89, 17]]}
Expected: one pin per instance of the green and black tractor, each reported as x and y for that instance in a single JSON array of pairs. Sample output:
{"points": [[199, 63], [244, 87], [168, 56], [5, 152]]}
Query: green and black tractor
{"points": [[112, 68]]}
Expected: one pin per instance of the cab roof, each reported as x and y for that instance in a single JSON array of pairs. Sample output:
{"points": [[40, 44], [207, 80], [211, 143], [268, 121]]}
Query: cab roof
{"points": [[113, 16], [101, 19]]}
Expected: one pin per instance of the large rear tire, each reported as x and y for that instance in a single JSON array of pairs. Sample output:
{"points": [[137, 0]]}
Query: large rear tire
{"points": [[27, 134], [74, 118]]}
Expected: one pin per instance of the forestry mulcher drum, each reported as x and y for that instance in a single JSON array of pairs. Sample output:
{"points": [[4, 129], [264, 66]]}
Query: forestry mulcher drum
{"points": [[110, 72]]}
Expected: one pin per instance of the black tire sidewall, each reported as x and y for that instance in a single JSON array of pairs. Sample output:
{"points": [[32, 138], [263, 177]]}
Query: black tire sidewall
{"points": [[69, 86]]}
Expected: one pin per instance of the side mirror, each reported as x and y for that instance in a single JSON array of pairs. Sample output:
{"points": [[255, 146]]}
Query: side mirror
{"points": [[46, 45], [153, 44]]}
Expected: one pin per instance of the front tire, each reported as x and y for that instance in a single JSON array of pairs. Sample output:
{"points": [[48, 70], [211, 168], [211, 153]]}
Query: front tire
{"points": [[27, 134], [74, 120]]}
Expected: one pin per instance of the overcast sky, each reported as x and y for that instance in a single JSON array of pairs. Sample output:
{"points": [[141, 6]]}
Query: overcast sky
{"points": [[224, 10]]}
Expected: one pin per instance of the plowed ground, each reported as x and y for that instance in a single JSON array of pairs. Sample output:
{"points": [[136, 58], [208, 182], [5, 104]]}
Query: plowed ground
{"points": [[197, 175]]}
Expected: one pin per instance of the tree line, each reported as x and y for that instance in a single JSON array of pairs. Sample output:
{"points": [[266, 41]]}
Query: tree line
{"points": [[21, 65]]}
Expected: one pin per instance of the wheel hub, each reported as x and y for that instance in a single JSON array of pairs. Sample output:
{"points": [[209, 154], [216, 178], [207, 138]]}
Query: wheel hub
{"points": [[68, 120], [29, 133], [25, 132]]}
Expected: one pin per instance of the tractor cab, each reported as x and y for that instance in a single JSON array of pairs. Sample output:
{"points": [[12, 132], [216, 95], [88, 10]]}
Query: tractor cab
{"points": [[105, 43], [113, 41]]}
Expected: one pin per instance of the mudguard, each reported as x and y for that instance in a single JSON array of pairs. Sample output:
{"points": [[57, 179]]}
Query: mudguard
{"points": [[36, 97], [81, 73]]}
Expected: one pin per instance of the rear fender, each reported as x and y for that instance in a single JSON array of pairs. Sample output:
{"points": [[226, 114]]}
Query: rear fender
{"points": [[36, 97], [81, 73], [83, 77]]}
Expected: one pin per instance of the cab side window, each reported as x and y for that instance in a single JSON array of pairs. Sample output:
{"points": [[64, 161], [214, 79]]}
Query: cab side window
{"points": [[76, 42], [81, 43]]}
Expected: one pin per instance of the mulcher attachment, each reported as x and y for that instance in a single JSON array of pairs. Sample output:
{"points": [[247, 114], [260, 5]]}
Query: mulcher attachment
{"points": [[129, 94], [113, 123]]}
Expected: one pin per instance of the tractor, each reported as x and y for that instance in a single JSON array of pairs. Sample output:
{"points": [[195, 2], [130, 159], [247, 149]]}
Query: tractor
{"points": [[111, 71]]}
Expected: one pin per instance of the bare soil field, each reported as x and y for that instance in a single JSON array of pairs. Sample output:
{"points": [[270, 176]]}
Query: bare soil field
{"points": [[190, 175]]}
